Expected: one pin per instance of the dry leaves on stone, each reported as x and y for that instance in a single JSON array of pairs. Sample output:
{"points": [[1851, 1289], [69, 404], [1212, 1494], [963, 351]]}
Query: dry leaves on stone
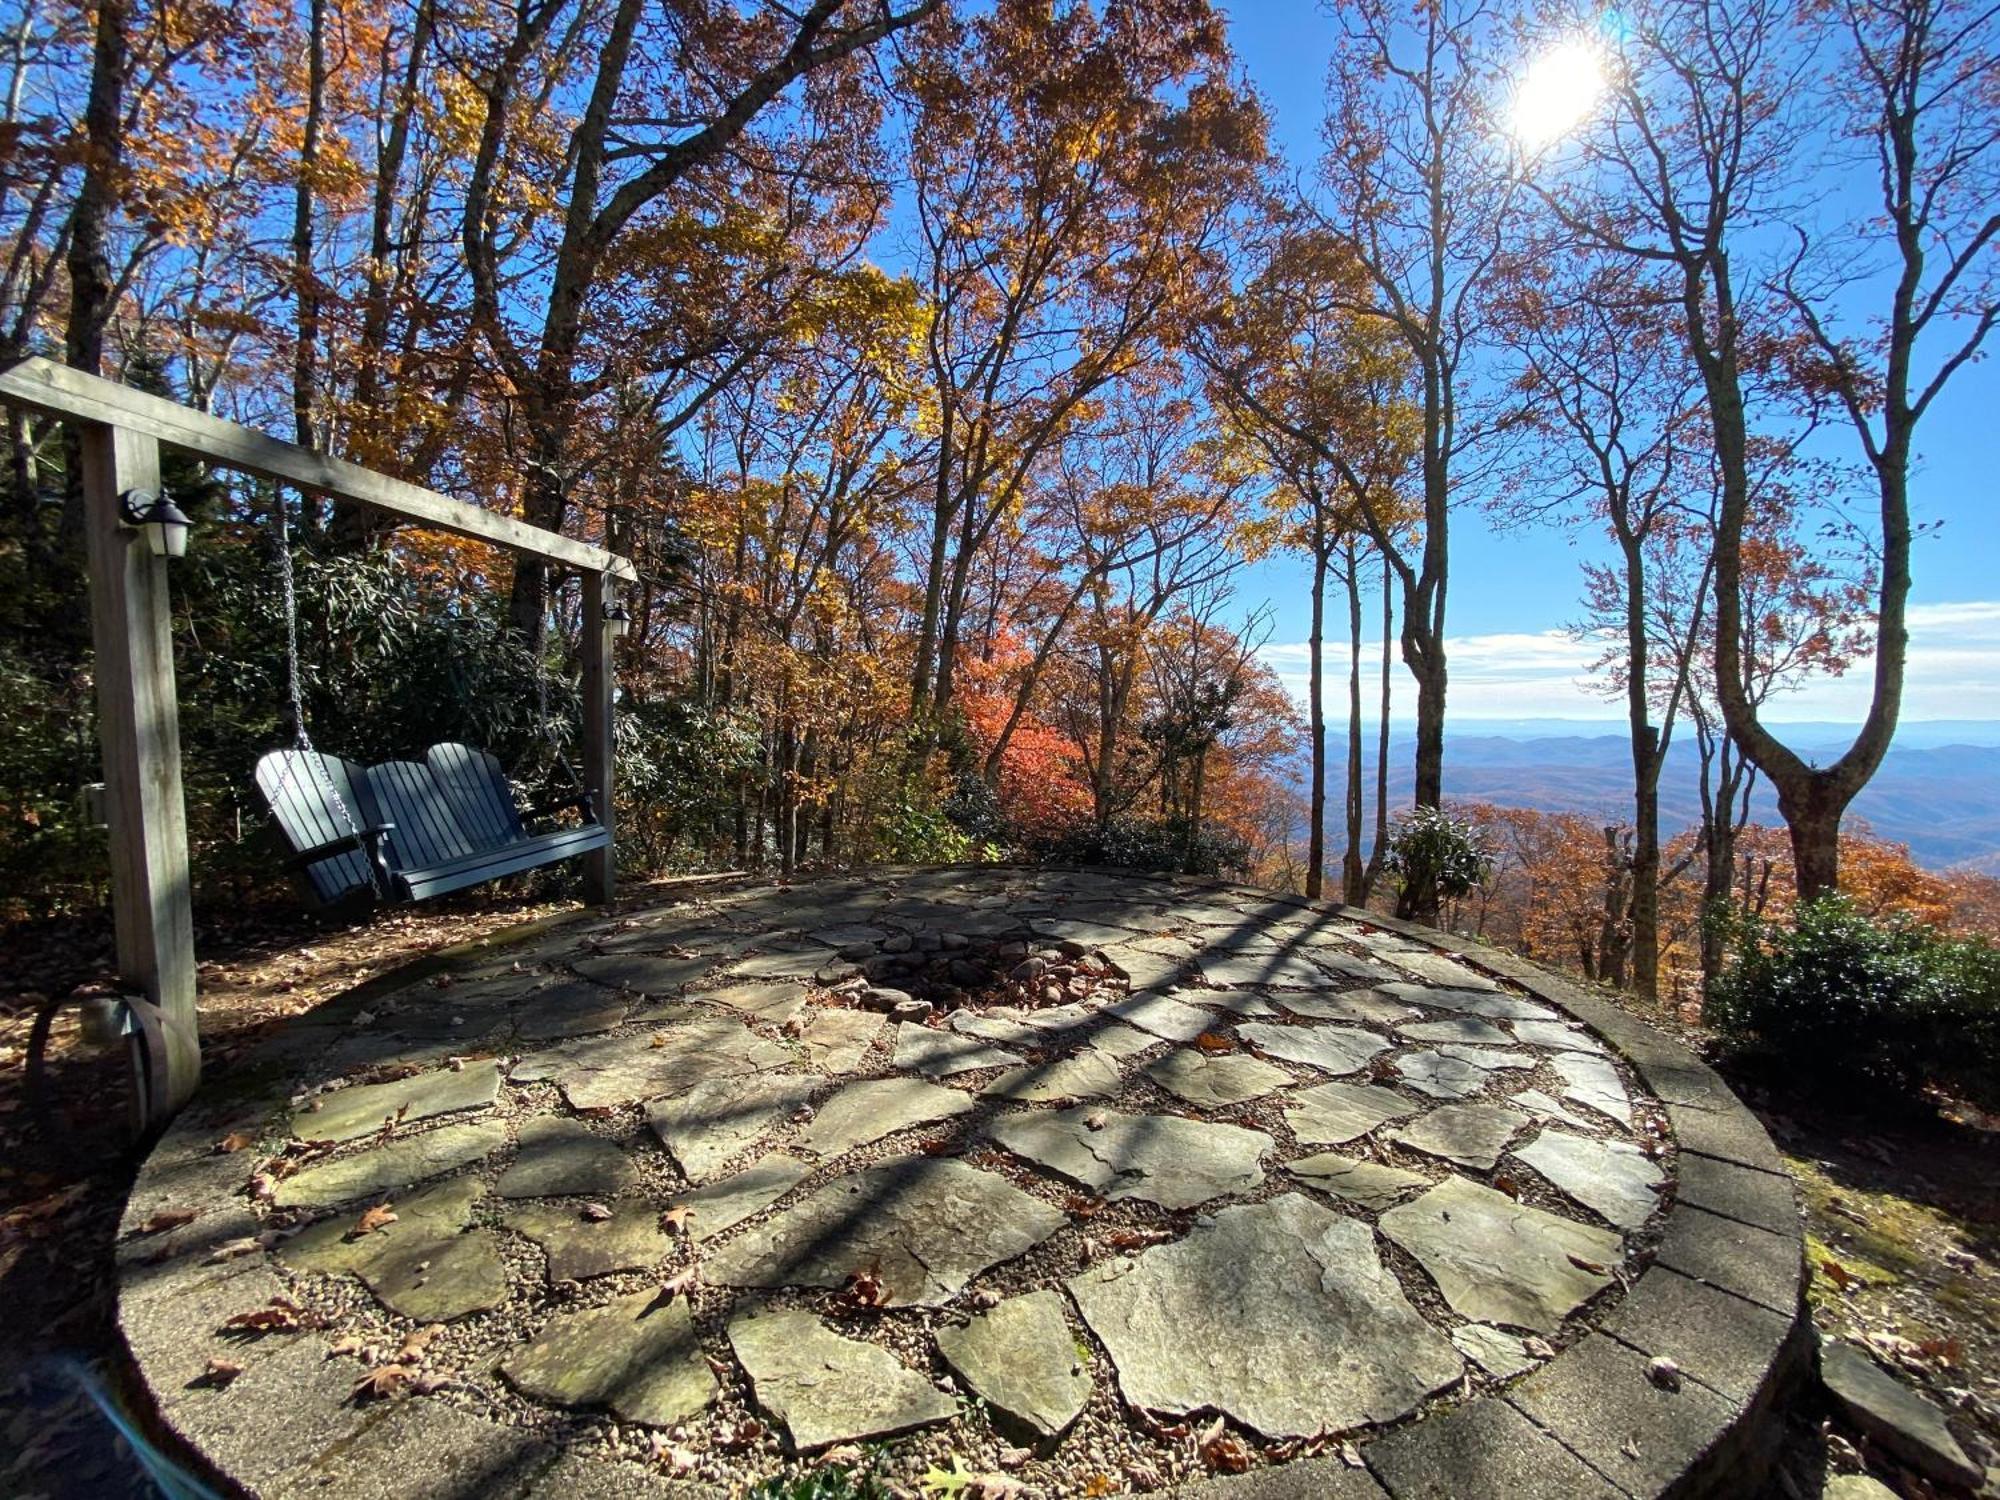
{"points": [[1222, 1450], [165, 1219], [387, 1380], [378, 1217], [280, 1315]]}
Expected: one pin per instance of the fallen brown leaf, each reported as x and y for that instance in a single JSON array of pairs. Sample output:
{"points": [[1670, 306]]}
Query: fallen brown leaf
{"points": [[220, 1372], [167, 1218], [278, 1317], [594, 1213], [389, 1380], [376, 1218], [674, 1220], [235, 1141]]}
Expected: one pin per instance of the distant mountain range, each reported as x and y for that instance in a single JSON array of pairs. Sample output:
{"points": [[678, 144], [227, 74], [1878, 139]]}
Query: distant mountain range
{"points": [[1938, 791]]}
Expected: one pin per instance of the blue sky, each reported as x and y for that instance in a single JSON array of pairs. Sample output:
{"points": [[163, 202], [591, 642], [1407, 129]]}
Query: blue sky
{"points": [[1512, 592]]}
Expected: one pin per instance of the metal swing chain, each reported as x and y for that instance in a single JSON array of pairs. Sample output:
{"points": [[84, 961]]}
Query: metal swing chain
{"points": [[295, 692]]}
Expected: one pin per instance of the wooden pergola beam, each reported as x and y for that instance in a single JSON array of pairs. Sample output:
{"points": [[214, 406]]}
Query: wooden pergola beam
{"points": [[54, 390], [120, 433]]}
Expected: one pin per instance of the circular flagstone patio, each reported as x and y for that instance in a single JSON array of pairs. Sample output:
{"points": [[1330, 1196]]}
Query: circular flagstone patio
{"points": [[1081, 1182]]}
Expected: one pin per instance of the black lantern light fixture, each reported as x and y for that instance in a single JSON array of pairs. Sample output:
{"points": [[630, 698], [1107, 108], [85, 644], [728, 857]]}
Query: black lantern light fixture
{"points": [[165, 524], [618, 618]]}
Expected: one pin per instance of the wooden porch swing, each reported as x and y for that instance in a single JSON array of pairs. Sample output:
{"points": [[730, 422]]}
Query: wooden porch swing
{"points": [[120, 433]]}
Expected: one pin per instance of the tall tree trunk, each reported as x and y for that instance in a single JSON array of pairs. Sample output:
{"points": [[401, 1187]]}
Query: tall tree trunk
{"points": [[1646, 763], [1316, 712], [91, 286], [305, 280], [1353, 882], [356, 526], [1378, 851]]}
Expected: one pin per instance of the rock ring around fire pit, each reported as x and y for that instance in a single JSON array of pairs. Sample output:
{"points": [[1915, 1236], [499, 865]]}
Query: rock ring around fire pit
{"points": [[1070, 1181]]}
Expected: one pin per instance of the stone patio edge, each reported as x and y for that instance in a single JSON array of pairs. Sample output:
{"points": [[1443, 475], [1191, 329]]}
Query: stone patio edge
{"points": [[1518, 1442]]}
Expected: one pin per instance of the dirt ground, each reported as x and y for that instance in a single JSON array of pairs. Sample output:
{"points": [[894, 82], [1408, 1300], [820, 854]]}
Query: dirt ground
{"points": [[1903, 1219]]}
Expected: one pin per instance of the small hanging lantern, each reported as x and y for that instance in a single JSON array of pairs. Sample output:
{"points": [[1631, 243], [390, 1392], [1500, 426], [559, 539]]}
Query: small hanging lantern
{"points": [[618, 618], [165, 524]]}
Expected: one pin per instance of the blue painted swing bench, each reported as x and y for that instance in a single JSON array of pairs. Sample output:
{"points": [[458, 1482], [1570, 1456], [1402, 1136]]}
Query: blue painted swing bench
{"points": [[410, 830]]}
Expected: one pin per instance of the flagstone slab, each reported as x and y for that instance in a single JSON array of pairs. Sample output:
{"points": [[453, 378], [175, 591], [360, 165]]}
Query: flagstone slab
{"points": [[1493, 1004], [1164, 1017], [1331, 1049], [577, 1008], [789, 964], [864, 1112], [1557, 1036], [1279, 1314], [1370, 1184], [1612, 1178], [1440, 1076], [836, 1039], [425, 1265], [1498, 1261], [1154, 965], [1163, 1159], [939, 1054], [773, 1003], [1467, 1135], [1217, 1081], [580, 1246], [826, 1389], [1282, 970], [1084, 934], [558, 1157], [848, 935], [1366, 1007], [1001, 1024], [386, 1168], [1595, 1084], [1021, 1359], [1497, 1352], [712, 1122], [1115, 1039], [727, 1202], [629, 1069], [1469, 1030], [1542, 1107], [1332, 1114], [643, 973], [639, 1356], [362, 1109], [1455, 1072], [923, 1225], [1089, 1074], [1236, 1002], [1437, 968]]}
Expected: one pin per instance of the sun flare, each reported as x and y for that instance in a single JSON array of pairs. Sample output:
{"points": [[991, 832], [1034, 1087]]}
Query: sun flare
{"points": [[1557, 93]]}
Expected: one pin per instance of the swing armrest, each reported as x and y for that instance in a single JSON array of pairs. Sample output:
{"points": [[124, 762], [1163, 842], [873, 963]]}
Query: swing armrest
{"points": [[583, 802], [368, 841]]}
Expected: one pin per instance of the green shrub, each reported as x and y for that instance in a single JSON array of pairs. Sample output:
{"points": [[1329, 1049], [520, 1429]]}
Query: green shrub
{"points": [[1434, 857], [1847, 1002]]}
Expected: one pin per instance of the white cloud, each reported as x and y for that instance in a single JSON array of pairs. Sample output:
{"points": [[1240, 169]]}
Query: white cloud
{"points": [[1954, 673]]}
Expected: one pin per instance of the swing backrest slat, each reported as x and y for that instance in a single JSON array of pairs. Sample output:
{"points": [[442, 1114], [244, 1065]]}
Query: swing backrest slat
{"points": [[295, 786], [426, 831], [475, 786]]}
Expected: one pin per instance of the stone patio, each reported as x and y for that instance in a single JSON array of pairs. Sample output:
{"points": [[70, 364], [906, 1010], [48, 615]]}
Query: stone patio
{"points": [[1091, 1182]]}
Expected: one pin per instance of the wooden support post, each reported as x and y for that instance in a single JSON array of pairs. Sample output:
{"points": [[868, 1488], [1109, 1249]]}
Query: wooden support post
{"points": [[138, 722], [600, 866]]}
